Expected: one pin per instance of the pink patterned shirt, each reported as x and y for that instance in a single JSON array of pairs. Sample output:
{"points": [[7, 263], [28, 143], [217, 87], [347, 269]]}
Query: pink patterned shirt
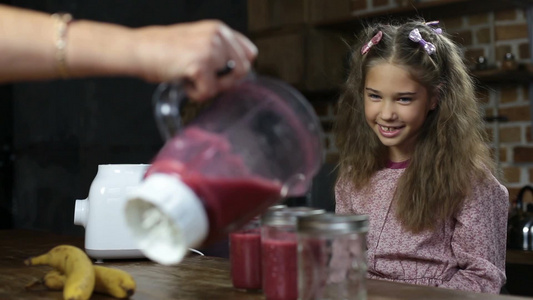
{"points": [[464, 253]]}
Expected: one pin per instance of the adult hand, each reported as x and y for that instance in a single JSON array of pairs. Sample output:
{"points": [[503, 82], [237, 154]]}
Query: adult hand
{"points": [[194, 52]]}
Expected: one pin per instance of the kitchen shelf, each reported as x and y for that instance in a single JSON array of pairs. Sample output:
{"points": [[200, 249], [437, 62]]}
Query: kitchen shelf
{"points": [[522, 75], [429, 10], [482, 78], [504, 76]]}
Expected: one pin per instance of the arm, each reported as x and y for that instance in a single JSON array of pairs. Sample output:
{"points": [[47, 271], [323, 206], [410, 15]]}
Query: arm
{"points": [[342, 197], [479, 240], [194, 51]]}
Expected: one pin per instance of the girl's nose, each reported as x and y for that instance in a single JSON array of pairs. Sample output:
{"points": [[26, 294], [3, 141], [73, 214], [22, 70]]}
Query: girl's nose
{"points": [[388, 110]]}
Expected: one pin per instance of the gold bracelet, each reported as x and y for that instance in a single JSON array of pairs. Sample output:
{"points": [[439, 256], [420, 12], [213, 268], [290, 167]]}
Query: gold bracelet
{"points": [[62, 20]]}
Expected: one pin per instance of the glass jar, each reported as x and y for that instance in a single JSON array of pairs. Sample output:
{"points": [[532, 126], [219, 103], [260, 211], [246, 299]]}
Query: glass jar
{"points": [[279, 251], [245, 254], [509, 62], [331, 257]]}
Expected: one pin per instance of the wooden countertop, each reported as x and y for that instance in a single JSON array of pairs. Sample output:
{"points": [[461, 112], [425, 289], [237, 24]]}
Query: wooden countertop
{"points": [[197, 277], [519, 257]]}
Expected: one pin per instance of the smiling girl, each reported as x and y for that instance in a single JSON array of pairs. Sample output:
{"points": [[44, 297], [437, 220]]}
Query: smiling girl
{"points": [[414, 158]]}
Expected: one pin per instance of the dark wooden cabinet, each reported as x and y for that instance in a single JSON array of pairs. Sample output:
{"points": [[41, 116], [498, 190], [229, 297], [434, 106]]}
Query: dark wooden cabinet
{"points": [[429, 10], [306, 43]]}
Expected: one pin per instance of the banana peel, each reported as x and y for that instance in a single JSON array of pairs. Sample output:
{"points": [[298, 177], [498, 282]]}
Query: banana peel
{"points": [[110, 281]]}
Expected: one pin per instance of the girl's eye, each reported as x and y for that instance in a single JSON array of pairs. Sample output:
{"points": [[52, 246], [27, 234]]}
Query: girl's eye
{"points": [[374, 96], [405, 100]]}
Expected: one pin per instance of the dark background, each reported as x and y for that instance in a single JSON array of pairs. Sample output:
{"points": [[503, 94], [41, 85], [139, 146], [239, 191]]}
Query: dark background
{"points": [[53, 135]]}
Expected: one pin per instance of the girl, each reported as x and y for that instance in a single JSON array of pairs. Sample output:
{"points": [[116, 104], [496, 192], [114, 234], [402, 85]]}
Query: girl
{"points": [[414, 159]]}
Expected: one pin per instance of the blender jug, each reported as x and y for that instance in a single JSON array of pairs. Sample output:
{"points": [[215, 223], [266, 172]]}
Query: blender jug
{"points": [[257, 143]]}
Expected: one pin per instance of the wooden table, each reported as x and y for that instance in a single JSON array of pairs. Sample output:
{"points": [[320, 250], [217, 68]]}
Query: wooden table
{"points": [[195, 278]]}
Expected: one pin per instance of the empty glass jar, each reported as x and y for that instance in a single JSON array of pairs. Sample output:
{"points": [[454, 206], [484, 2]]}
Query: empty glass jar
{"points": [[331, 257]]}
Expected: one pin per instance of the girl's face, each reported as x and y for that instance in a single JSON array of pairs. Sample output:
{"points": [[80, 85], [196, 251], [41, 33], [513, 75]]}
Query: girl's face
{"points": [[396, 107]]}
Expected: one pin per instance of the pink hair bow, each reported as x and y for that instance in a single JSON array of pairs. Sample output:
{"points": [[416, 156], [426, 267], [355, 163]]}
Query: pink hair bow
{"points": [[372, 42], [415, 36]]}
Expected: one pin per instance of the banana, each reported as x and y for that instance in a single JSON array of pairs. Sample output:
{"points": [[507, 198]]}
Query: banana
{"points": [[110, 281], [54, 280], [76, 266], [114, 282]]}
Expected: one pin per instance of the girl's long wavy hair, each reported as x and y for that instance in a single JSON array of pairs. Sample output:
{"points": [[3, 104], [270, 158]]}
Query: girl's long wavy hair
{"points": [[451, 149]]}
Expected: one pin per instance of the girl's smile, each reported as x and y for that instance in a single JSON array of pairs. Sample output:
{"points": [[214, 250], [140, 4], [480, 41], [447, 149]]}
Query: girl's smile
{"points": [[396, 107], [390, 132]]}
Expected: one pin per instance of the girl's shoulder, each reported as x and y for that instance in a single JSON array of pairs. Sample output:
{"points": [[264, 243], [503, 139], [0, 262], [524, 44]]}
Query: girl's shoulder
{"points": [[490, 188]]}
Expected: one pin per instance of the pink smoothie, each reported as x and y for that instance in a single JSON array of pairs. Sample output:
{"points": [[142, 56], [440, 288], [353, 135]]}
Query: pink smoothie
{"points": [[230, 194], [245, 257], [280, 269]]}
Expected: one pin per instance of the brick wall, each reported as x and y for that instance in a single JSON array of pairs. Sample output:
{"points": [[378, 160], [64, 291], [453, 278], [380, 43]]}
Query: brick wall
{"points": [[492, 35]]}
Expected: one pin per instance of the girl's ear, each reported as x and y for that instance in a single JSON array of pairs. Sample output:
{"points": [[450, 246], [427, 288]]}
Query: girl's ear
{"points": [[433, 102]]}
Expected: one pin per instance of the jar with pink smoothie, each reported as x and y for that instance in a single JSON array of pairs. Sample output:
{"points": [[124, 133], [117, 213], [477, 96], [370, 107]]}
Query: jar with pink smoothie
{"points": [[245, 255], [279, 251]]}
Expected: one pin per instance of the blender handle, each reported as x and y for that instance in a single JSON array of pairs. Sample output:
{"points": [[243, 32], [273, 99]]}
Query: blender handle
{"points": [[170, 97]]}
